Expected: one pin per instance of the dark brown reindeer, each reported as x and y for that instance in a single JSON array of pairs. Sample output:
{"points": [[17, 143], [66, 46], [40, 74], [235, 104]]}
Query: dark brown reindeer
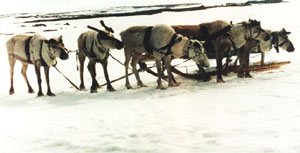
{"points": [[221, 36], [36, 50], [96, 45]]}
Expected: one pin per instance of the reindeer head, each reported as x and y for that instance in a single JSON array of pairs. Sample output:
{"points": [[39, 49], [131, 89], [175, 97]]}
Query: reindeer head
{"points": [[282, 40], [107, 38], [57, 48], [196, 52]]}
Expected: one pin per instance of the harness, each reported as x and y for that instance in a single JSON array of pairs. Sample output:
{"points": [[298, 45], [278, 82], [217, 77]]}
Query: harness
{"points": [[27, 49], [275, 41], [150, 49], [43, 62], [91, 53], [250, 33]]}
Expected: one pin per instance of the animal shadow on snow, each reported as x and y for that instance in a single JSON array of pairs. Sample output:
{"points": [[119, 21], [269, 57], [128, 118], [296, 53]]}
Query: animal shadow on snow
{"points": [[73, 97]]}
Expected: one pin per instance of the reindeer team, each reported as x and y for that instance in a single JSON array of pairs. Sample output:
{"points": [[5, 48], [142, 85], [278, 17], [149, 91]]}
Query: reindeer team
{"points": [[163, 42]]}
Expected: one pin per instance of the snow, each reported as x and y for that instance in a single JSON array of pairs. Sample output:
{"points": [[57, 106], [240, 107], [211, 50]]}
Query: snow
{"points": [[258, 115]]}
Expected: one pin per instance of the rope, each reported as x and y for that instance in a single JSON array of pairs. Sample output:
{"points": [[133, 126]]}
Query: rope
{"points": [[66, 78], [116, 59]]}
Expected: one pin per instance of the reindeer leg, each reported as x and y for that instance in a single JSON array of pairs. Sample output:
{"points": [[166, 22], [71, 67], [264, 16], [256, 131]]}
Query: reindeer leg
{"points": [[172, 82], [241, 58], [92, 70], [159, 72], [247, 57], [24, 70], [262, 61], [127, 60], [219, 67], [39, 80], [46, 71], [134, 62], [81, 57], [12, 62], [104, 65]]}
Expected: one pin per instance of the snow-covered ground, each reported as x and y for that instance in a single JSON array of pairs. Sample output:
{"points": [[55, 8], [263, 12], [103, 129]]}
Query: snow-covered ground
{"points": [[258, 115]]}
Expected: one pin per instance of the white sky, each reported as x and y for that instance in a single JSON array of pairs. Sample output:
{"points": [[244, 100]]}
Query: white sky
{"points": [[24, 6]]}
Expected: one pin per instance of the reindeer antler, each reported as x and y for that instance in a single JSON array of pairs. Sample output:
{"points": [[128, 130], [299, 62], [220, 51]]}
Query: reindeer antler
{"points": [[93, 28], [106, 27]]}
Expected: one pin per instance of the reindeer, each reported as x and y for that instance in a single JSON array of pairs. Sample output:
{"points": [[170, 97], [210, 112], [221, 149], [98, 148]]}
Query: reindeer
{"points": [[36, 50], [96, 45], [278, 39], [161, 41], [220, 36]]}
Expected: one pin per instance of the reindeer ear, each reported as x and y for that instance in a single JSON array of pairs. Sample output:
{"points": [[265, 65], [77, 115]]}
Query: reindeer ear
{"points": [[109, 29], [283, 29], [93, 28], [60, 39]]}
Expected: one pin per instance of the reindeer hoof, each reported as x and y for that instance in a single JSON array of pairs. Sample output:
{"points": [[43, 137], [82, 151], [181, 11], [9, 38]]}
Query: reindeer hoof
{"points": [[248, 75], [110, 89], [220, 80], [40, 94], [11, 91], [51, 94], [93, 90], [240, 75], [30, 90], [141, 84], [161, 88], [81, 87], [128, 86], [173, 84]]}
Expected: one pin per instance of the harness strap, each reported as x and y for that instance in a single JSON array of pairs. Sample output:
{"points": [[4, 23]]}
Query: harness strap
{"points": [[27, 49], [233, 44], [168, 46], [90, 54], [42, 59], [149, 48], [220, 33], [275, 41], [146, 41]]}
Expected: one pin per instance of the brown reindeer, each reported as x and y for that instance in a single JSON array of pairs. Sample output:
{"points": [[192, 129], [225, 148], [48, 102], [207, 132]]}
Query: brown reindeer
{"points": [[220, 37], [36, 50]]}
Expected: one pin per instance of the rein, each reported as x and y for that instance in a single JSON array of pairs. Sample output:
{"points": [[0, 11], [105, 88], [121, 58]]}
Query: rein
{"points": [[150, 49], [73, 84]]}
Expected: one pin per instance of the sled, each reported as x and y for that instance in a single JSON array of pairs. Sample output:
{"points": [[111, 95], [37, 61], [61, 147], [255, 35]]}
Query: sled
{"points": [[231, 68], [200, 76]]}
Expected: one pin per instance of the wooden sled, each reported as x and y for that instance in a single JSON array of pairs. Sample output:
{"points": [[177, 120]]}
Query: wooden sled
{"points": [[209, 72], [235, 69]]}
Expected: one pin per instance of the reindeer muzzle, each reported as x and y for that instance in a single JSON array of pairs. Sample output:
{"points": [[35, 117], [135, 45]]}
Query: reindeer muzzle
{"points": [[64, 54]]}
